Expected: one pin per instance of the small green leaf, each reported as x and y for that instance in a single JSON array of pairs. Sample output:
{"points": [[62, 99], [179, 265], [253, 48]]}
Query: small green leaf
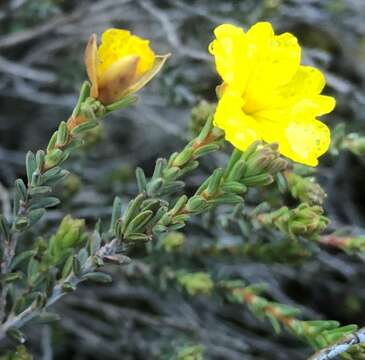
{"points": [[137, 237], [30, 164], [21, 223], [40, 159], [215, 181], [21, 189], [141, 180], [98, 277], [4, 227], [132, 210], [52, 142], [88, 125], [154, 186], [35, 215], [39, 190], [205, 150], [121, 104], [84, 94], [62, 134], [138, 222], [45, 202]]}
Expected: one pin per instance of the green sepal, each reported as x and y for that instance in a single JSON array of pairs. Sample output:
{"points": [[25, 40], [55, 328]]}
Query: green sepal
{"points": [[87, 125], [205, 150], [121, 104]]}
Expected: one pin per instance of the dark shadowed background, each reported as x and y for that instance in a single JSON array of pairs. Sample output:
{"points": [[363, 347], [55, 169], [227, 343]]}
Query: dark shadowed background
{"points": [[139, 316]]}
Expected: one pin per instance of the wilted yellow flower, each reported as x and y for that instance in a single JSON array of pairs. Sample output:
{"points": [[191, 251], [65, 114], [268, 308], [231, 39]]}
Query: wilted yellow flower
{"points": [[121, 65], [267, 95]]}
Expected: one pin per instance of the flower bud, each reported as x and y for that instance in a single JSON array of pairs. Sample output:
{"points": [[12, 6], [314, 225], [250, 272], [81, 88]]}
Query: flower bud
{"points": [[121, 65]]}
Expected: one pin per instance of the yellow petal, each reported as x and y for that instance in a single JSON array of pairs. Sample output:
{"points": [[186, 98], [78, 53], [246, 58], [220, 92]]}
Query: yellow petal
{"points": [[240, 129], [304, 141], [118, 43], [91, 61], [229, 50], [274, 61], [300, 98]]}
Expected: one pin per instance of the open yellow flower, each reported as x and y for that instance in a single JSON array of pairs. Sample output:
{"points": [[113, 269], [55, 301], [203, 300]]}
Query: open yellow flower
{"points": [[267, 95], [121, 65]]}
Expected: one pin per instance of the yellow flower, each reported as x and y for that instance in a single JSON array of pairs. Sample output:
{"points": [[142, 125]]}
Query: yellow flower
{"points": [[267, 95], [121, 65]]}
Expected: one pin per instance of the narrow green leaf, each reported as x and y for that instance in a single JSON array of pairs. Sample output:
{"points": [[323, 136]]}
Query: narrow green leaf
{"points": [[45, 202], [139, 222], [137, 237], [132, 210], [52, 142], [98, 277], [35, 215], [31, 165], [21, 189], [154, 186], [84, 94], [121, 104], [141, 180], [205, 150], [4, 227], [215, 181], [88, 125], [39, 190], [62, 134]]}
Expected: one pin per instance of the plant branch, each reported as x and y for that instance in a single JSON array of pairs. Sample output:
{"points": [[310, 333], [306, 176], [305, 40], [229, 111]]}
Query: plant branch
{"points": [[340, 347]]}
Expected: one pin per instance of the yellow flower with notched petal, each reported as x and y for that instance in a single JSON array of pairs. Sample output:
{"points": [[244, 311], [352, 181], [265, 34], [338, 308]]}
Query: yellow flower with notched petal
{"points": [[267, 95], [121, 65]]}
